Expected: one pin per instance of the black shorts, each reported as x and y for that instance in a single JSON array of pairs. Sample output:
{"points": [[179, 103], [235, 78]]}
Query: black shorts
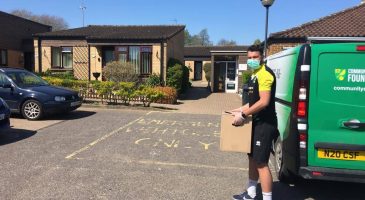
{"points": [[263, 136]]}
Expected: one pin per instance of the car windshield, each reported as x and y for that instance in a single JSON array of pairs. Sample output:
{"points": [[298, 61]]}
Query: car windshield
{"points": [[25, 79]]}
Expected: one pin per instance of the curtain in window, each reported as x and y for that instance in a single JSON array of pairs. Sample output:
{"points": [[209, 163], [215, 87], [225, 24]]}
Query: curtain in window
{"points": [[67, 57], [56, 57], [146, 63], [122, 57], [134, 57], [67, 60]]}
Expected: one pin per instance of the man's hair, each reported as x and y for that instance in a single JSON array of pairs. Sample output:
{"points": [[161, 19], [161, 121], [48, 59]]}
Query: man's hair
{"points": [[256, 48]]}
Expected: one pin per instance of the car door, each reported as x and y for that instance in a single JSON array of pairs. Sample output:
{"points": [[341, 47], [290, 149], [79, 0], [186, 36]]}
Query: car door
{"points": [[336, 134], [7, 92]]}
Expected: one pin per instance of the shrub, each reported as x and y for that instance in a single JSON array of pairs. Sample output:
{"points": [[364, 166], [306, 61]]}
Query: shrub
{"points": [[120, 72], [208, 70], [69, 83], [186, 84], [56, 74], [175, 77], [154, 80], [170, 94], [104, 89], [148, 95], [125, 91], [178, 75]]}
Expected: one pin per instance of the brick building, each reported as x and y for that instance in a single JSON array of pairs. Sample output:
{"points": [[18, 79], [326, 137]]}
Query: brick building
{"points": [[87, 50], [347, 23], [16, 40], [228, 64]]}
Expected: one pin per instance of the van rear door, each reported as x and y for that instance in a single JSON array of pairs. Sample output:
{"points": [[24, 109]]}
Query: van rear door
{"points": [[336, 112]]}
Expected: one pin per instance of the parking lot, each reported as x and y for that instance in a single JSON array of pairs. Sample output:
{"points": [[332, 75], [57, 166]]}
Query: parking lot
{"points": [[128, 154]]}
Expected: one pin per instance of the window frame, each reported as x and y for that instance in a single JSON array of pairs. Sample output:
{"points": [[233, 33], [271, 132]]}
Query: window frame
{"points": [[6, 57], [141, 51], [61, 57]]}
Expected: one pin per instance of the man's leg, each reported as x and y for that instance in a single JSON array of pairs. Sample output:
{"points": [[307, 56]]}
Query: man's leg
{"points": [[253, 177], [265, 180], [253, 173]]}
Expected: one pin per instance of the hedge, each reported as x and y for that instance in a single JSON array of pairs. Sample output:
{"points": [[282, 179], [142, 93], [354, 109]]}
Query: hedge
{"points": [[113, 92]]}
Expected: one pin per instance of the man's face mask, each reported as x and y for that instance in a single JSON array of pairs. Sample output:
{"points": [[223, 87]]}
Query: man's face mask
{"points": [[253, 63]]}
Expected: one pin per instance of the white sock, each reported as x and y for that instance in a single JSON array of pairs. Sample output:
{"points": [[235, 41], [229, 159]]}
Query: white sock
{"points": [[251, 187], [266, 195]]}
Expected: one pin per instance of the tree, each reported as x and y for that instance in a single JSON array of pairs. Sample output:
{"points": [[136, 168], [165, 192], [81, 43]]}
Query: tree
{"points": [[57, 23], [257, 42], [187, 38], [201, 39], [204, 36], [224, 42]]}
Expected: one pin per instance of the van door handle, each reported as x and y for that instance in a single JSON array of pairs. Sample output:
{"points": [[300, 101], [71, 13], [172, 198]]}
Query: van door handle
{"points": [[354, 124]]}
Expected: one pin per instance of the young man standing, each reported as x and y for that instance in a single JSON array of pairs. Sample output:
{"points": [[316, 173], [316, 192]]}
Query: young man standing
{"points": [[261, 106]]}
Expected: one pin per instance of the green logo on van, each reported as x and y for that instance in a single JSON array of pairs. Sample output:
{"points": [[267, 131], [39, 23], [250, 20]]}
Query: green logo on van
{"points": [[340, 74]]}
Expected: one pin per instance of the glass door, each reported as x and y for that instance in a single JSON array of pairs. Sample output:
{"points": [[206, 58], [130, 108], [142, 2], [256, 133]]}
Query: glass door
{"points": [[231, 78], [198, 67]]}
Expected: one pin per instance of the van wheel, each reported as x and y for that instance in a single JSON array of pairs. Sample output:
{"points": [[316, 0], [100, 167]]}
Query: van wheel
{"points": [[32, 110], [282, 172]]}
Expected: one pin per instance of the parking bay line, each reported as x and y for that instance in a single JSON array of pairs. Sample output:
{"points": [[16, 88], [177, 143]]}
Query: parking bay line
{"points": [[176, 164], [103, 138]]}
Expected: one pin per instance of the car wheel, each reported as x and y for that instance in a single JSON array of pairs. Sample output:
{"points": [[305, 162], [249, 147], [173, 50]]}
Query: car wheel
{"points": [[32, 110], [282, 172]]}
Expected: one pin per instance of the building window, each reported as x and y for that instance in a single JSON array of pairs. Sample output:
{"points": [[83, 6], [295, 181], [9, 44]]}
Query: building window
{"points": [[3, 57], [62, 57], [121, 53], [134, 57], [146, 60]]}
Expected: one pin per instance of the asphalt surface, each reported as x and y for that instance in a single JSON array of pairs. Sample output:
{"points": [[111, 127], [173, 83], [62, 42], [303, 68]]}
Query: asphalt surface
{"points": [[134, 154]]}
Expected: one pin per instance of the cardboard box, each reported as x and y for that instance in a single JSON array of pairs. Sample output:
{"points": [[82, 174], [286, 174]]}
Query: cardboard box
{"points": [[235, 138]]}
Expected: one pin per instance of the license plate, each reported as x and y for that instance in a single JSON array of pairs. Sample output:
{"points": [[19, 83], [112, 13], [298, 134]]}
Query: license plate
{"points": [[341, 154], [2, 116], [76, 103]]}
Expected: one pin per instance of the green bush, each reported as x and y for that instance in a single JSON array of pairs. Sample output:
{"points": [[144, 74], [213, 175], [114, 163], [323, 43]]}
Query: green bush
{"points": [[208, 70], [104, 90], [148, 95], [154, 80], [178, 76], [69, 83], [57, 74], [120, 72], [125, 90], [175, 77]]}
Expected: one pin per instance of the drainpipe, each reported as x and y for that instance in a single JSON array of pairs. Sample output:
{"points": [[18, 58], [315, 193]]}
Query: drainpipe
{"points": [[89, 65], [39, 55], [162, 74]]}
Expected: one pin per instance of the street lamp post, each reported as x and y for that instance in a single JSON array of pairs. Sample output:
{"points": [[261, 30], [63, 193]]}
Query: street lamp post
{"points": [[266, 4]]}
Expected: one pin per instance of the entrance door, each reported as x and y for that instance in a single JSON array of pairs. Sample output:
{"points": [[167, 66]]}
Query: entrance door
{"points": [[220, 69], [231, 82], [198, 69]]}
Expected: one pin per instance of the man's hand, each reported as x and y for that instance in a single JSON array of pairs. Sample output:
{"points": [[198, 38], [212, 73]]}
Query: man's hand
{"points": [[238, 119]]}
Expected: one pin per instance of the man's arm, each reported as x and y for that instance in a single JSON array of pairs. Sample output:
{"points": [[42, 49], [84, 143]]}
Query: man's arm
{"points": [[260, 104]]}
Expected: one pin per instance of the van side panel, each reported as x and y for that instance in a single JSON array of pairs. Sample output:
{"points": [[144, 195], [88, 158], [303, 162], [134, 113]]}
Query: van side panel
{"points": [[284, 65], [337, 96]]}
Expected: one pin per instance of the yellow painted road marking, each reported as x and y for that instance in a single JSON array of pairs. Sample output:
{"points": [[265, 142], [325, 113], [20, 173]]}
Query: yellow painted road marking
{"points": [[103, 138], [153, 162]]}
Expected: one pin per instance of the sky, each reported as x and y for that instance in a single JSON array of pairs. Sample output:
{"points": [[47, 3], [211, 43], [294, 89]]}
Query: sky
{"points": [[240, 20]]}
